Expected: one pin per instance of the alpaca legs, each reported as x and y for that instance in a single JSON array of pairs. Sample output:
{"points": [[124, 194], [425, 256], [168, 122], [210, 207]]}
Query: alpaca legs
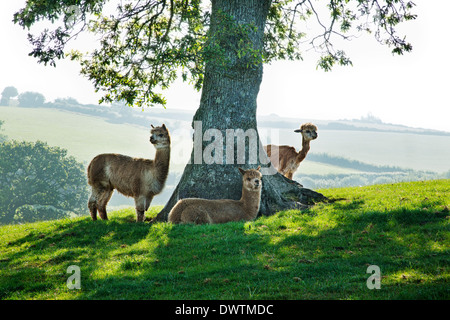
{"points": [[92, 205], [142, 205], [100, 197], [102, 200], [93, 202], [195, 215], [185, 212]]}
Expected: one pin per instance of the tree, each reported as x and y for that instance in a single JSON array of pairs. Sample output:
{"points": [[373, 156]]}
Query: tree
{"points": [[39, 182], [220, 49], [69, 101], [8, 93], [30, 99], [2, 136]]}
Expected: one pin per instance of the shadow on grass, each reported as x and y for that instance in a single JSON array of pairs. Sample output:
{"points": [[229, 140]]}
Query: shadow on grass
{"points": [[120, 259], [40, 260]]}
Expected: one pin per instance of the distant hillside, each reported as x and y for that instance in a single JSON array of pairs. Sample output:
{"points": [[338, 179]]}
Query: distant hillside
{"points": [[364, 124], [119, 113], [339, 157], [353, 164]]}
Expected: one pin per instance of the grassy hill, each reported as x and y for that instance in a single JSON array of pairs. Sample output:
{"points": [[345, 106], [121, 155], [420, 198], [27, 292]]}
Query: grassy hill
{"points": [[82, 135], [319, 253], [86, 136]]}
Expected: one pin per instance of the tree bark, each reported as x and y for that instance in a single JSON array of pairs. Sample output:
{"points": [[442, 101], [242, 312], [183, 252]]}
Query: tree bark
{"points": [[227, 107]]}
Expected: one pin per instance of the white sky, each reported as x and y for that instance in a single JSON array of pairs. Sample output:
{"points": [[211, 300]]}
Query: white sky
{"points": [[412, 89]]}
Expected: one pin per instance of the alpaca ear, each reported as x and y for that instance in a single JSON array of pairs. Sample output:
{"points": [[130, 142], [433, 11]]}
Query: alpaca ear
{"points": [[298, 130], [152, 126], [259, 167], [164, 126], [242, 171]]}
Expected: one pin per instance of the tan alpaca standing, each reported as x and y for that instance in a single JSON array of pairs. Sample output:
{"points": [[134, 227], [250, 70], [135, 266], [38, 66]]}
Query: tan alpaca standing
{"points": [[285, 159], [133, 177], [199, 211]]}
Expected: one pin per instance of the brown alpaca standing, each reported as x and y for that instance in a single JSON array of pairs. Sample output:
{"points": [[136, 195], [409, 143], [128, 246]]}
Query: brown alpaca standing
{"points": [[133, 177], [286, 160], [199, 211]]}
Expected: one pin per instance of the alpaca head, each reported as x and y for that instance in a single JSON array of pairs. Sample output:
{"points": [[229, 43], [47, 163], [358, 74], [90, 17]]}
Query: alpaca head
{"points": [[308, 131], [251, 179], [159, 136]]}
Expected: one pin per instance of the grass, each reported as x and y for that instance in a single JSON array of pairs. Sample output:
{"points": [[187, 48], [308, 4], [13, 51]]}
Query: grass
{"points": [[86, 136], [72, 131], [320, 253]]}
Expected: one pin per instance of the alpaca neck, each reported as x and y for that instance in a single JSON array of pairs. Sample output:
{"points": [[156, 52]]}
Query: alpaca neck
{"points": [[302, 153], [251, 200], [161, 163], [162, 156]]}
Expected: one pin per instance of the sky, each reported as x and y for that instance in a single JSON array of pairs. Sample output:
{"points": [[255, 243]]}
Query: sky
{"points": [[412, 89]]}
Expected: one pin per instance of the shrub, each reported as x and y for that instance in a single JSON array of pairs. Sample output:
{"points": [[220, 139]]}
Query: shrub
{"points": [[34, 178], [383, 180], [32, 213], [31, 99]]}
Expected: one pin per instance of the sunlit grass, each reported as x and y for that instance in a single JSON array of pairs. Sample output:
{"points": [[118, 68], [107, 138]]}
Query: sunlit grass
{"points": [[319, 253]]}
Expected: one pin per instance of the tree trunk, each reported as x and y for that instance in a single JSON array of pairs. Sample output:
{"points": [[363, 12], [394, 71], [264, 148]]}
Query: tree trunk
{"points": [[226, 119]]}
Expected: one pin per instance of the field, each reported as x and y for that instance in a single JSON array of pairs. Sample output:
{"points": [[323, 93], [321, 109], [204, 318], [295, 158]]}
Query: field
{"points": [[83, 136], [86, 136], [406, 150], [320, 253]]}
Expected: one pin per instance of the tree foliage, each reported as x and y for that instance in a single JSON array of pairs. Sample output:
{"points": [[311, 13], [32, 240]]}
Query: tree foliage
{"points": [[2, 136], [146, 44], [8, 93], [30, 99], [39, 182]]}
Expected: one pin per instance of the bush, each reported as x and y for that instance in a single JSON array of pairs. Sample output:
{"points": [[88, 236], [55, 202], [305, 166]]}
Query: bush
{"points": [[354, 181], [383, 180], [35, 178], [2, 136], [32, 213], [307, 182], [446, 175], [316, 181], [31, 99]]}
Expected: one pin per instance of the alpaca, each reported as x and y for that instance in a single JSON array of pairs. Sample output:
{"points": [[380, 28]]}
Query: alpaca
{"points": [[139, 178], [199, 211], [285, 158]]}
